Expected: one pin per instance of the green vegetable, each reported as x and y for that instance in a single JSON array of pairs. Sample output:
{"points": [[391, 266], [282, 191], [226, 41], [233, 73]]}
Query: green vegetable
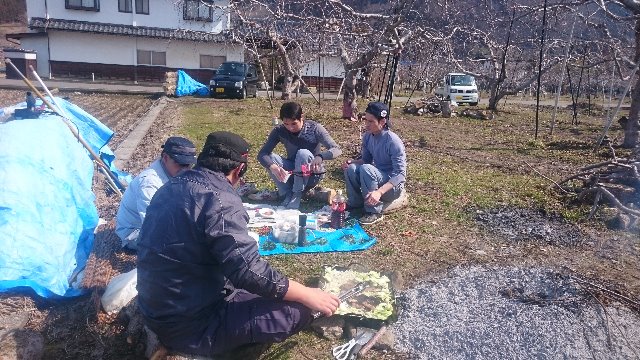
{"points": [[338, 281]]}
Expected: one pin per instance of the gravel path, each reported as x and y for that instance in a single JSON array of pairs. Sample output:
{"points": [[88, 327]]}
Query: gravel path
{"points": [[511, 313]]}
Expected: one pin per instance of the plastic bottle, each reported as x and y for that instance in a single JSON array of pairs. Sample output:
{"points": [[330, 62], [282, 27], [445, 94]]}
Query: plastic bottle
{"points": [[274, 121], [302, 230], [338, 208]]}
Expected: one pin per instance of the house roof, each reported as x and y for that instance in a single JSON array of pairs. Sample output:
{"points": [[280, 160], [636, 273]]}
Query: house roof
{"points": [[119, 29]]}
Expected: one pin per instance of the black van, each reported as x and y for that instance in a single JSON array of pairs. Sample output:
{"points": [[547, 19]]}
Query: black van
{"points": [[234, 79]]}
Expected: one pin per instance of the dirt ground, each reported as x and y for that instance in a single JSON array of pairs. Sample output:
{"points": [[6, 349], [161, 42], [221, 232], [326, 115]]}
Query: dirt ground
{"points": [[76, 329]]}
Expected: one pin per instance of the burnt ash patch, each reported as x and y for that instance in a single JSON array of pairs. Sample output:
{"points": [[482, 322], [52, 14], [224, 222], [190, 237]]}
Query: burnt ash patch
{"points": [[535, 226]]}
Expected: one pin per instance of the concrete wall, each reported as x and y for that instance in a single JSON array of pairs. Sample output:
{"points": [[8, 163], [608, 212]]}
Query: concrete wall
{"points": [[121, 50], [162, 14], [39, 44]]}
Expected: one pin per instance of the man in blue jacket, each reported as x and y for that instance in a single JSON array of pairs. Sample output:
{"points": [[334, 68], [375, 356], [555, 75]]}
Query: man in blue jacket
{"points": [[202, 286], [379, 175]]}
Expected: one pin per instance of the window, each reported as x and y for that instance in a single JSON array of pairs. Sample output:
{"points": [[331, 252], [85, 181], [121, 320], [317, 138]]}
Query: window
{"points": [[92, 5], [147, 57], [142, 7], [231, 69], [199, 10], [124, 6], [158, 58], [252, 71], [211, 62]]}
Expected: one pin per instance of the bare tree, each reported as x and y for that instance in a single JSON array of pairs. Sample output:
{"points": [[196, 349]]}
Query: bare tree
{"points": [[363, 36], [498, 42], [287, 29], [618, 21]]}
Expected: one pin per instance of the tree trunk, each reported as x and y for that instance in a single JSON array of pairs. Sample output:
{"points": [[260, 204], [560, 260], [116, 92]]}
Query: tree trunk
{"points": [[632, 130], [349, 104], [287, 86], [493, 96]]}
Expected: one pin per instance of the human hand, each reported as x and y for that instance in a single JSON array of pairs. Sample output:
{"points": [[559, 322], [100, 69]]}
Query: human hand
{"points": [[373, 198], [316, 164], [279, 172], [321, 301], [346, 164]]}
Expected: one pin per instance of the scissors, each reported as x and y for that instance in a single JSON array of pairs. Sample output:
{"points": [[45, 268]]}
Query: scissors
{"points": [[347, 351]]}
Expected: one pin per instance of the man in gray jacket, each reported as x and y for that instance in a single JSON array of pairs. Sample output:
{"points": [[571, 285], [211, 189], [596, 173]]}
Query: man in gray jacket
{"points": [[379, 175], [303, 166], [202, 286]]}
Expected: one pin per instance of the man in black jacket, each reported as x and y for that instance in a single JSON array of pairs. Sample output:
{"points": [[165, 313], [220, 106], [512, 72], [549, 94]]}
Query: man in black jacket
{"points": [[202, 286]]}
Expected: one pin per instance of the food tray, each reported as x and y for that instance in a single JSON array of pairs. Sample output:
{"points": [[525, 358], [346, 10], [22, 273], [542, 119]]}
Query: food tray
{"points": [[375, 302]]}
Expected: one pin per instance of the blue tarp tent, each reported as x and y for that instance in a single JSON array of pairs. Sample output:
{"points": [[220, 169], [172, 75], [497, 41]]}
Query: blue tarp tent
{"points": [[187, 86], [47, 210]]}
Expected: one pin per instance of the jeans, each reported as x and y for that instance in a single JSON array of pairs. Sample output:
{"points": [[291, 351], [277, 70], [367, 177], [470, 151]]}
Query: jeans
{"points": [[363, 179], [296, 182]]}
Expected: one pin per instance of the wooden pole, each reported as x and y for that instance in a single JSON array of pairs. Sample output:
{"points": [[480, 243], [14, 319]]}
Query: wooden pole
{"points": [[264, 76], [561, 80], [340, 88], [67, 122], [544, 25]]}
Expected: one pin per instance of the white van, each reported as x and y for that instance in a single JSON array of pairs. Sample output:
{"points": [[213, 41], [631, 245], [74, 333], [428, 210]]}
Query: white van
{"points": [[459, 87]]}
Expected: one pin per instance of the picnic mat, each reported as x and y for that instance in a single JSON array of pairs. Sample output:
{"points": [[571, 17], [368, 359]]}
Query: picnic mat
{"points": [[350, 238]]}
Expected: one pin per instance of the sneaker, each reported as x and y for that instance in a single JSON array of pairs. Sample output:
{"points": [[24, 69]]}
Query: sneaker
{"points": [[286, 200], [370, 218], [264, 195], [246, 189], [294, 200]]}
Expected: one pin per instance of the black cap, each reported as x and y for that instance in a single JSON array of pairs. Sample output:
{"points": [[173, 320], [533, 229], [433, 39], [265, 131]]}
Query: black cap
{"points": [[238, 146], [378, 109], [180, 149]]}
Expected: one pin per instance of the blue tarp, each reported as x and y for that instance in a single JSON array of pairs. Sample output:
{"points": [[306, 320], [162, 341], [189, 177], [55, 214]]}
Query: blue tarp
{"points": [[47, 210], [350, 238], [187, 86]]}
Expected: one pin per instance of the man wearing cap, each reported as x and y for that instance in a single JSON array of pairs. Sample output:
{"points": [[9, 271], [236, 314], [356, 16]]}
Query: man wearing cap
{"points": [[379, 175], [202, 286], [177, 154], [302, 140]]}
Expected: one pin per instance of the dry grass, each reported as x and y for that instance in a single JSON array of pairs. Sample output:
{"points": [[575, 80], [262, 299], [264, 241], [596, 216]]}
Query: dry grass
{"points": [[455, 166]]}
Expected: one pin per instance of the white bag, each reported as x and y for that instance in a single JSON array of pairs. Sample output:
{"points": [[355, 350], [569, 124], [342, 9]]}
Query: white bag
{"points": [[120, 291]]}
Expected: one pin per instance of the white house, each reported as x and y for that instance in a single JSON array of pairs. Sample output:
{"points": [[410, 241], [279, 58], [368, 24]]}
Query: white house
{"points": [[129, 39]]}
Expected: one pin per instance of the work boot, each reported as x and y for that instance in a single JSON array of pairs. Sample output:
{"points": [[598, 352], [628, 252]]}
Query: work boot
{"points": [[294, 200]]}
